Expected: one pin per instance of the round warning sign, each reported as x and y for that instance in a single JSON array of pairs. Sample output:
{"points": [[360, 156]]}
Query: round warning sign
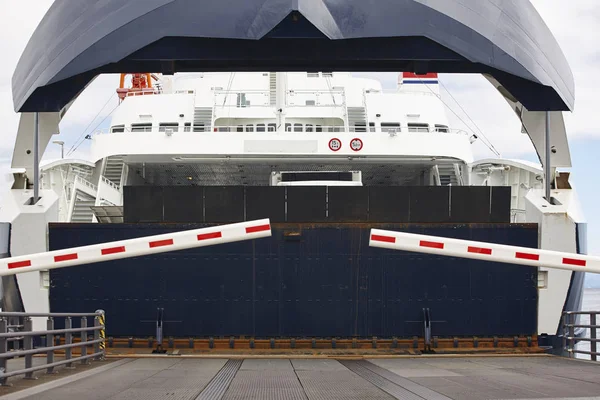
{"points": [[335, 144], [356, 144]]}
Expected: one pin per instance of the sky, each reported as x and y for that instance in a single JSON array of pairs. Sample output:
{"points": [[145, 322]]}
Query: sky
{"points": [[470, 97]]}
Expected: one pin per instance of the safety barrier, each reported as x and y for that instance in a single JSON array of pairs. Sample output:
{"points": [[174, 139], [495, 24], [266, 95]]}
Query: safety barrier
{"points": [[570, 338], [449, 247], [17, 329]]}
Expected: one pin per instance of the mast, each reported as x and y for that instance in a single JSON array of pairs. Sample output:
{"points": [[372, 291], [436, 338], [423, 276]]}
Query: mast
{"points": [[280, 98]]}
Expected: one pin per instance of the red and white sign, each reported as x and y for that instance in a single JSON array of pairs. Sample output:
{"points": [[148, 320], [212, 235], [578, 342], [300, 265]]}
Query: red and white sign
{"points": [[483, 251], [356, 144], [335, 144], [136, 247]]}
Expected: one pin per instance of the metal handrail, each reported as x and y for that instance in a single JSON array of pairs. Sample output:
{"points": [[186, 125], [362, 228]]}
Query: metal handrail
{"points": [[24, 332], [86, 183], [48, 332], [569, 338], [110, 183], [53, 315]]}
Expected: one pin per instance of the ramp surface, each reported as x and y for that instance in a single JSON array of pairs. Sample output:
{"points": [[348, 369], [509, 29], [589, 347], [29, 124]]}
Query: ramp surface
{"points": [[326, 379]]}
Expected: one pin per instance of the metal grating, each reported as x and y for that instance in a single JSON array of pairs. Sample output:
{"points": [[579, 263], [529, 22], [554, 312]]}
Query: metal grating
{"points": [[220, 383], [407, 384], [339, 385], [267, 384], [182, 381]]}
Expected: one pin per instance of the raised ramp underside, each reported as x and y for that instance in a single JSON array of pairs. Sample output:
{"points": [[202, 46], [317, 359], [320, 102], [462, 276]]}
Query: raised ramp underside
{"points": [[328, 379], [306, 281]]}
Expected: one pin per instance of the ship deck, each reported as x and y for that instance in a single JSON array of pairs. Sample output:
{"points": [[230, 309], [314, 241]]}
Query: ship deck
{"points": [[436, 378]]}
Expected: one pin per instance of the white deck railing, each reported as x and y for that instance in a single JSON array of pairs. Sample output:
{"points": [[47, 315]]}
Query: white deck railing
{"points": [[86, 183], [289, 128]]}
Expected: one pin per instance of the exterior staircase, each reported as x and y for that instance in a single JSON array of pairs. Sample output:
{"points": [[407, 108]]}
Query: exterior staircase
{"points": [[272, 88], [449, 175], [83, 197], [82, 211], [202, 119], [113, 169], [357, 119]]}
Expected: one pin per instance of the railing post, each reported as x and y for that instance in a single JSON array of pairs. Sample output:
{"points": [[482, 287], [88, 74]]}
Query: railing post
{"points": [[69, 340], [3, 349], [99, 322], [28, 345], [84, 339], [572, 320], [563, 330], [593, 336], [50, 343]]}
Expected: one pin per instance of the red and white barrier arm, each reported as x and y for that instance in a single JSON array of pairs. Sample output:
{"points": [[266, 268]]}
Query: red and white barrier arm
{"points": [[136, 247], [483, 251]]}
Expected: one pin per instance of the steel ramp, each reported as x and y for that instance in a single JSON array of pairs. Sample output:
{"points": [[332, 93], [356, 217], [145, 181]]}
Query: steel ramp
{"points": [[428, 378]]}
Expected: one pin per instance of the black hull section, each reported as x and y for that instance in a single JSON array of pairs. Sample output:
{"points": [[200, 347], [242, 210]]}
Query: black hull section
{"points": [[308, 280]]}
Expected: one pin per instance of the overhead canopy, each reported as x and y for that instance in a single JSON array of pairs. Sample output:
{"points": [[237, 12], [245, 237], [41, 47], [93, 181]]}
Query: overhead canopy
{"points": [[80, 39]]}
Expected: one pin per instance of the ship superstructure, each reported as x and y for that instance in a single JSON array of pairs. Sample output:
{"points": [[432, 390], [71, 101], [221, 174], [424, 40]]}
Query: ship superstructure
{"points": [[302, 129]]}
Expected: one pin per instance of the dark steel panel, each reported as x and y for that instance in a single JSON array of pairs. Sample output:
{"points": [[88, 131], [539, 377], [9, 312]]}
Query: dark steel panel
{"points": [[311, 176], [183, 204], [265, 202], [411, 35], [348, 204], [306, 204], [470, 204], [142, 204], [501, 199], [389, 204], [430, 204], [223, 204], [307, 280]]}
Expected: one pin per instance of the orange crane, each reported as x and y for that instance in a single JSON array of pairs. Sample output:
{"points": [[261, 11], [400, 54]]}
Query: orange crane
{"points": [[141, 85]]}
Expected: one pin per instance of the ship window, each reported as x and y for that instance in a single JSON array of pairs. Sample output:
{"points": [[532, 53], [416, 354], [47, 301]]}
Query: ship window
{"points": [[172, 126], [118, 129], [141, 127], [249, 128], [272, 127], [360, 127], [240, 128], [241, 100], [309, 128], [297, 127], [371, 126], [187, 127], [318, 128], [260, 127], [312, 74], [390, 127], [288, 127], [199, 128], [327, 74], [413, 127], [223, 129], [442, 128], [310, 102]]}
